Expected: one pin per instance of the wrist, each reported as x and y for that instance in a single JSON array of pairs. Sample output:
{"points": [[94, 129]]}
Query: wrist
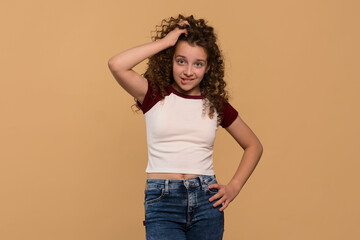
{"points": [[164, 43], [235, 184]]}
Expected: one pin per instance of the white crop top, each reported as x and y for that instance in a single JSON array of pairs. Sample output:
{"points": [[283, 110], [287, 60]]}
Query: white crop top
{"points": [[180, 137]]}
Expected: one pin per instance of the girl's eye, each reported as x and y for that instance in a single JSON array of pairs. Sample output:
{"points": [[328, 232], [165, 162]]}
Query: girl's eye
{"points": [[199, 64], [181, 61]]}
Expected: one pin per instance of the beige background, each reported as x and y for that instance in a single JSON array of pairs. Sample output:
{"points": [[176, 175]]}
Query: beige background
{"points": [[73, 154]]}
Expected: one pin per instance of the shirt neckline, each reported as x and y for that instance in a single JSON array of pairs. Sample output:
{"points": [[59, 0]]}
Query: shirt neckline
{"points": [[171, 89]]}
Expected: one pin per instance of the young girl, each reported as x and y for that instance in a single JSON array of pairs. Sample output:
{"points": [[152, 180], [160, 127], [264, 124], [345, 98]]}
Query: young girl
{"points": [[183, 98]]}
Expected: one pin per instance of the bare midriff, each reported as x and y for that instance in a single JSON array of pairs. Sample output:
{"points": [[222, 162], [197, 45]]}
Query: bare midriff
{"points": [[174, 176]]}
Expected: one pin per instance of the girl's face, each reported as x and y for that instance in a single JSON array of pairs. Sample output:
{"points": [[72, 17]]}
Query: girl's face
{"points": [[189, 67]]}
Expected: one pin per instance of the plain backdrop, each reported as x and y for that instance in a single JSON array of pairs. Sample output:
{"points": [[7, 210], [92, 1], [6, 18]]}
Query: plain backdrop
{"points": [[73, 153]]}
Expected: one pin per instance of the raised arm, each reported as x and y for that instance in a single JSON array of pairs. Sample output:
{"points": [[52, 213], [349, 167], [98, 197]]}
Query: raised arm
{"points": [[121, 64]]}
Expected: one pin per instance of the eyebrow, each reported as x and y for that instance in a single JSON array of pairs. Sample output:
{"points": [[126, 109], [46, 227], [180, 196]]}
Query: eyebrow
{"points": [[199, 60]]}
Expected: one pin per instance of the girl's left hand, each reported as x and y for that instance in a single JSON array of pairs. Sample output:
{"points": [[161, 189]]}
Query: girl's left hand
{"points": [[225, 194]]}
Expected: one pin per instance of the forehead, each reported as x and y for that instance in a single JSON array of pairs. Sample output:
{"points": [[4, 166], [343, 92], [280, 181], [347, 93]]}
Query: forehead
{"points": [[192, 52]]}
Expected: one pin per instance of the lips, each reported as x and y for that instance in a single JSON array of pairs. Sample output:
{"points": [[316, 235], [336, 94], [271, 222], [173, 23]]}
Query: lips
{"points": [[185, 80]]}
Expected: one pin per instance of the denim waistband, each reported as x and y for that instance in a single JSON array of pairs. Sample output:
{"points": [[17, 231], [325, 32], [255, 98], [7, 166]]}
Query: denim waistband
{"points": [[202, 181]]}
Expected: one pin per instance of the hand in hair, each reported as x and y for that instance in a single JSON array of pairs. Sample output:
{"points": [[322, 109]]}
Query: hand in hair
{"points": [[172, 37]]}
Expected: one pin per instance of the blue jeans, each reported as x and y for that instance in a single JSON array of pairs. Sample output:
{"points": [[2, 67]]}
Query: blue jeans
{"points": [[180, 209]]}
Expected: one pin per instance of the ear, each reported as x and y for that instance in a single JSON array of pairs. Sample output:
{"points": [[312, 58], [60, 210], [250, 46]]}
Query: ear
{"points": [[207, 68]]}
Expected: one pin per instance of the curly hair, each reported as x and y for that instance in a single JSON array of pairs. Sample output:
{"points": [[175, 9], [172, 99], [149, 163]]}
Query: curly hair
{"points": [[159, 71]]}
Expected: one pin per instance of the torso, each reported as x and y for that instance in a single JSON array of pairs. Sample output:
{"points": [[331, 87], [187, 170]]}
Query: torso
{"points": [[174, 176], [180, 135]]}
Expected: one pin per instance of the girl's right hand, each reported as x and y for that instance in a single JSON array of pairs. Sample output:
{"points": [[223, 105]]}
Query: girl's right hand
{"points": [[172, 37], [121, 64]]}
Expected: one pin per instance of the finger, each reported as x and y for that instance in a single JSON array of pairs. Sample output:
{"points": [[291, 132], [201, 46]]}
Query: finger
{"points": [[220, 201], [176, 33], [183, 23], [216, 196], [180, 31], [224, 206], [215, 185]]}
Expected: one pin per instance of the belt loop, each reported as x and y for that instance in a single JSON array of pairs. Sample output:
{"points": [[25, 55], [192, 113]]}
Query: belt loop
{"points": [[166, 186], [203, 185]]}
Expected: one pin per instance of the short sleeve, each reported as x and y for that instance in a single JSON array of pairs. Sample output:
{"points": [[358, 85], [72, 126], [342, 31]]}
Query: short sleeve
{"points": [[149, 100], [230, 114]]}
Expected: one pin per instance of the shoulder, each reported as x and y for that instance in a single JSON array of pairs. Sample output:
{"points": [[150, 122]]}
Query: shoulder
{"points": [[152, 97], [229, 114]]}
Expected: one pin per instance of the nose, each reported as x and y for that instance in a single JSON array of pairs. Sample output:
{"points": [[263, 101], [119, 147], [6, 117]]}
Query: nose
{"points": [[188, 71]]}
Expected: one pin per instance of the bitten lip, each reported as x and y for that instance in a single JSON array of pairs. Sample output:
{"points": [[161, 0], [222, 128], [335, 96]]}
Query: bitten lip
{"points": [[187, 79]]}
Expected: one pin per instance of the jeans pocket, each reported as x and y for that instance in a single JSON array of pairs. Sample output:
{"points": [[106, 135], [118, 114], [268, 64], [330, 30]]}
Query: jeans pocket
{"points": [[154, 195], [209, 182], [212, 190]]}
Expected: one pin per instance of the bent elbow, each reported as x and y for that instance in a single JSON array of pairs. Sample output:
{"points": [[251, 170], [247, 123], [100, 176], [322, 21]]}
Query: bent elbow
{"points": [[111, 63], [116, 68], [260, 149]]}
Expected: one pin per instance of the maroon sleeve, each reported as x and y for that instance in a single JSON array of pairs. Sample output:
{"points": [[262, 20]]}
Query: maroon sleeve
{"points": [[149, 100], [230, 114]]}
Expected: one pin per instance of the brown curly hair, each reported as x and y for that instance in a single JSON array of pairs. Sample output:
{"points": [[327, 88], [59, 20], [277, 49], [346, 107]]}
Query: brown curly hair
{"points": [[159, 71]]}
